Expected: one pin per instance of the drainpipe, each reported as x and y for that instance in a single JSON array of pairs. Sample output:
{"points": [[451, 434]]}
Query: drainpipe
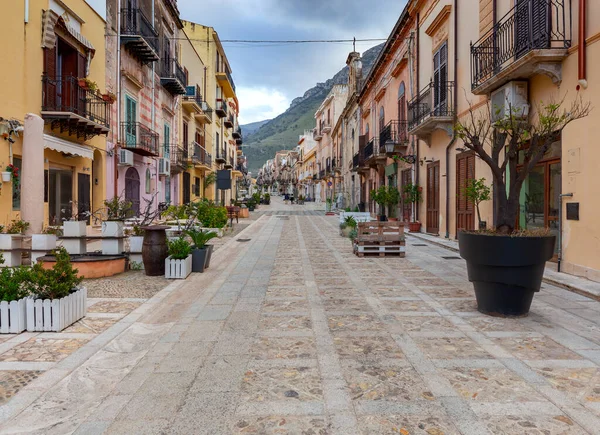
{"points": [[417, 46], [582, 60], [26, 11], [455, 103], [119, 103], [560, 247]]}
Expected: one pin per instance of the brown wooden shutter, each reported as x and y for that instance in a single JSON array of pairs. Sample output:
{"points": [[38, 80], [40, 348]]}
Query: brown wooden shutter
{"points": [[49, 91], [81, 62]]}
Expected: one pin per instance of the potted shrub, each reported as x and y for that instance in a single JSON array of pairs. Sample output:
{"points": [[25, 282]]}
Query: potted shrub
{"points": [[200, 249], [178, 264], [109, 97], [13, 294], [57, 300], [347, 226], [413, 194], [267, 198], [87, 84], [43, 243], [116, 211], [385, 196], [251, 204], [505, 264], [476, 191]]}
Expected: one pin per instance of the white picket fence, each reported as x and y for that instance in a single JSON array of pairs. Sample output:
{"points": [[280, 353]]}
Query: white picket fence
{"points": [[178, 269], [56, 314], [13, 316]]}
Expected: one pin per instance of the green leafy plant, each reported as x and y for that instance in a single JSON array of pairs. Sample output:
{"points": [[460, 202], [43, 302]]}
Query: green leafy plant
{"points": [[17, 226], [52, 231], [350, 221], [210, 179], [476, 191], [356, 209], [54, 283], [353, 234], [13, 283], [343, 226], [179, 249], [200, 238], [89, 84], [385, 196], [136, 265], [118, 209], [208, 214]]}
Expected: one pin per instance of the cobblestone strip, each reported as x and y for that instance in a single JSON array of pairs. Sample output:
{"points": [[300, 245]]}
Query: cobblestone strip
{"points": [[335, 392], [459, 411]]}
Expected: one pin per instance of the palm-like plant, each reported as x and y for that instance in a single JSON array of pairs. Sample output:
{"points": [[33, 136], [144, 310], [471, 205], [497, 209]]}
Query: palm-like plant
{"points": [[200, 238]]}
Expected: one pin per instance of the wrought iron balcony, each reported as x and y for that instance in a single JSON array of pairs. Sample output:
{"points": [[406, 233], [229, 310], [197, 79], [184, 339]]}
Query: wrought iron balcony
{"points": [[228, 162], [317, 134], [431, 109], [221, 108], [71, 108], [326, 127], [206, 115], [179, 158], [355, 161], [172, 76], [322, 174], [533, 37], [221, 156], [237, 133], [139, 139], [369, 150], [200, 156], [393, 138], [192, 100], [229, 121], [138, 35], [226, 81]]}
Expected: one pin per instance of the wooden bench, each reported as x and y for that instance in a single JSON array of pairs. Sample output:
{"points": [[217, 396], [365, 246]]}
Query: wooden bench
{"points": [[380, 239]]}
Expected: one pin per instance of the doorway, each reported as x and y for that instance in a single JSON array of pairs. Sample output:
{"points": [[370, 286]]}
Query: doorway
{"points": [[406, 179], [187, 180], [60, 196], [132, 189], [84, 203], [433, 198]]}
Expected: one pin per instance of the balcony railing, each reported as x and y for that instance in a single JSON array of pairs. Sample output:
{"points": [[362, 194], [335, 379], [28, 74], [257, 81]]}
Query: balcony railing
{"points": [[138, 138], [221, 108], [68, 104], [229, 121], [172, 76], [369, 150], [530, 25], [137, 32], [221, 155], [200, 156], [322, 174], [355, 161], [434, 101], [317, 134], [237, 133], [179, 157], [394, 136], [193, 95]]}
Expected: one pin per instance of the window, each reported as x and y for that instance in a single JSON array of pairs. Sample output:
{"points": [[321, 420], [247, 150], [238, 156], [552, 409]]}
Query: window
{"points": [[148, 181], [196, 186], [367, 131], [167, 140], [185, 134], [16, 185], [381, 118], [440, 80], [130, 120], [168, 190]]}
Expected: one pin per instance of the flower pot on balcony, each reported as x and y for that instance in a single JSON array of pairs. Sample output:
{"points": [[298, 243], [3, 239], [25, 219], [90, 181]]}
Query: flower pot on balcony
{"points": [[6, 176], [414, 227], [505, 271]]}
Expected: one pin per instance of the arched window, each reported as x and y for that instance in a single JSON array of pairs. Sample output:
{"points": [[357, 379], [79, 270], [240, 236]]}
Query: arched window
{"points": [[148, 181], [381, 118]]}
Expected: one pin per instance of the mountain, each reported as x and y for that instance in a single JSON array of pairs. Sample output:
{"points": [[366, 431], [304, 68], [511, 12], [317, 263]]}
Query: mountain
{"points": [[248, 129], [282, 132]]}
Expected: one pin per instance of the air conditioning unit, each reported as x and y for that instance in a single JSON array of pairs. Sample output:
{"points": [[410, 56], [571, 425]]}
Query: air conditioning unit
{"points": [[510, 97], [125, 158], [164, 167]]}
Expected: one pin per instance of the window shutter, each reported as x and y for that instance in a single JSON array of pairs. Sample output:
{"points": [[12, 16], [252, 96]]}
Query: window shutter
{"points": [[81, 65]]}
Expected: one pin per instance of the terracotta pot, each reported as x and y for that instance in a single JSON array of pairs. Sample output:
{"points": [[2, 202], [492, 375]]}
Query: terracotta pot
{"points": [[414, 227]]}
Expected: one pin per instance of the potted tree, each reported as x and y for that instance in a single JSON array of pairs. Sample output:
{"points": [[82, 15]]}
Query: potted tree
{"points": [[413, 194], [476, 191], [505, 264], [57, 300], [117, 210], [178, 264], [385, 196], [200, 250]]}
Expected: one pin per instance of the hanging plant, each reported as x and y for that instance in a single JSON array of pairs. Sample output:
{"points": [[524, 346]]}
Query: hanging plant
{"points": [[15, 173]]}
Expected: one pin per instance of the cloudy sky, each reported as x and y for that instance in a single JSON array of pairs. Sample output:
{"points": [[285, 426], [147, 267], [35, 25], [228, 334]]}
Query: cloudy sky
{"points": [[269, 76]]}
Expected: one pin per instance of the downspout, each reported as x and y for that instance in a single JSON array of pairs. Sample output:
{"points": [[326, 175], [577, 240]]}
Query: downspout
{"points": [[26, 11], [455, 102], [153, 112], [582, 58], [119, 103], [417, 47]]}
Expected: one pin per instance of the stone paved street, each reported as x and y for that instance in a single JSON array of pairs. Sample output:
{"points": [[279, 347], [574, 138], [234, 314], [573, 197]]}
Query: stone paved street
{"points": [[290, 333]]}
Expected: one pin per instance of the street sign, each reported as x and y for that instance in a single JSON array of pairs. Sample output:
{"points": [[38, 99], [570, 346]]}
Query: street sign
{"points": [[329, 183]]}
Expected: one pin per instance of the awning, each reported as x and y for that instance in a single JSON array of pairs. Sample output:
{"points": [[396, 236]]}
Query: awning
{"points": [[66, 147], [49, 21]]}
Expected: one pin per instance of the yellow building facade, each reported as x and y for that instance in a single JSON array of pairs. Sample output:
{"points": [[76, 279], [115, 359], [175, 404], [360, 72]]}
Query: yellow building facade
{"points": [[53, 124]]}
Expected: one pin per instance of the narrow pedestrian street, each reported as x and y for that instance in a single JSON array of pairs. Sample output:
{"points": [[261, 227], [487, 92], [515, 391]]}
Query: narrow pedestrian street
{"points": [[291, 333]]}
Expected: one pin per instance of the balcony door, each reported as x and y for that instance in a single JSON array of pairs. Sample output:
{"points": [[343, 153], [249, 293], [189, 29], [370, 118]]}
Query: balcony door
{"points": [[130, 120], [406, 179], [60, 195], [187, 179], [440, 81], [532, 26], [167, 141], [132, 189], [433, 198]]}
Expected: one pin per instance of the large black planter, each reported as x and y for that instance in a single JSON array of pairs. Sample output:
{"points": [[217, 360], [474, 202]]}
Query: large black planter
{"points": [[505, 271], [199, 257], [209, 255]]}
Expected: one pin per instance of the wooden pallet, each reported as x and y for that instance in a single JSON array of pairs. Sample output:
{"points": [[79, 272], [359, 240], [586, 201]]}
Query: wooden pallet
{"points": [[380, 239]]}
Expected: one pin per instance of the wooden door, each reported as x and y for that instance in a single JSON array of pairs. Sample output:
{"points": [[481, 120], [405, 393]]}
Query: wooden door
{"points": [[187, 179], [433, 198], [84, 203], [132, 189], [465, 209]]}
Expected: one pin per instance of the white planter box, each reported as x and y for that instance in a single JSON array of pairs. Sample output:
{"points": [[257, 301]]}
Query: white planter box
{"points": [[112, 229], [9, 242], [43, 242], [74, 228], [357, 215], [136, 244], [13, 316], [178, 269], [6, 176], [55, 315]]}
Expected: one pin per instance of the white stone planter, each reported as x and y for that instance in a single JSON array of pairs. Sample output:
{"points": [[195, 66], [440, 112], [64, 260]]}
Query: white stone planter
{"points": [[43, 242], [112, 233], [13, 316], [136, 244], [6, 176], [357, 215], [178, 269], [56, 314], [10, 246], [74, 229]]}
